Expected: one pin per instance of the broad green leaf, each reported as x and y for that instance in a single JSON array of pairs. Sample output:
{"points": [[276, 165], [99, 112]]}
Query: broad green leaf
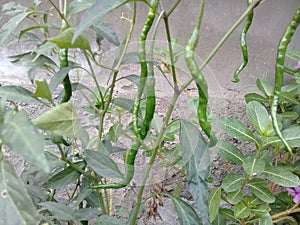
{"points": [[58, 77], [16, 206], [87, 213], [293, 54], [42, 90], [62, 178], [114, 132], [214, 203], [62, 120], [78, 6], [266, 220], [60, 211], [124, 103], [220, 220], [232, 182], [195, 154], [106, 31], [253, 166], [9, 27], [19, 134], [264, 86], [281, 176], [44, 26], [234, 197], [157, 122], [261, 210], [290, 115], [64, 40], [236, 129], [262, 192], [254, 97], [172, 129], [32, 59], [291, 135], [186, 214], [13, 8], [289, 98], [108, 220], [17, 94], [229, 152], [241, 210], [258, 116], [102, 164], [96, 12], [228, 214]]}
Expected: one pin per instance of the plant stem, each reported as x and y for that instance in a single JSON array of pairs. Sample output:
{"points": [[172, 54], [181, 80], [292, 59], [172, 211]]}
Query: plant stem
{"points": [[222, 41], [173, 8], [294, 209], [62, 16]]}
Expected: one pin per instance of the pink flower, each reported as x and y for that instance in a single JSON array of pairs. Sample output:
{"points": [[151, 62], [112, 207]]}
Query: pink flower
{"points": [[297, 67], [295, 193]]}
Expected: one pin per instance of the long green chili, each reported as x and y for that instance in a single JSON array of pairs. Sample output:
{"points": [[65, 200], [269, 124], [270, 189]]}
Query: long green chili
{"points": [[244, 44], [197, 75], [142, 130], [63, 59], [281, 52]]}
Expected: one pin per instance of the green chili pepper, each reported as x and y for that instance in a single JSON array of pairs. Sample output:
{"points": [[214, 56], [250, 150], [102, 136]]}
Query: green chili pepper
{"points": [[63, 59], [129, 161], [244, 44], [281, 52], [197, 75], [141, 131]]}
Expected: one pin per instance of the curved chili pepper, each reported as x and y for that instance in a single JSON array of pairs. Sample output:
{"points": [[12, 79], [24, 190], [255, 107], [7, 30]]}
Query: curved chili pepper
{"points": [[244, 44], [197, 75], [281, 52], [63, 59], [141, 131]]}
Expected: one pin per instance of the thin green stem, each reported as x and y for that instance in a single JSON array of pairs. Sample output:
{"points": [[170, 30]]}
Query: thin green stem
{"points": [[222, 41], [173, 8], [62, 16]]}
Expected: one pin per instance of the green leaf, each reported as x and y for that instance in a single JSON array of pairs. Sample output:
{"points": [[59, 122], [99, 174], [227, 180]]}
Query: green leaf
{"points": [[266, 220], [253, 166], [32, 59], [241, 210], [60, 211], [172, 129], [264, 86], [62, 178], [258, 116], [42, 90], [293, 54], [58, 77], [254, 97], [9, 27], [261, 191], [228, 214], [75, 7], [291, 135], [64, 40], [157, 122], [96, 12], [229, 152], [232, 182], [281, 176], [19, 134], [17, 94], [214, 203], [114, 132], [234, 197], [62, 120], [236, 129], [124, 103], [195, 154], [16, 206], [186, 214], [108, 220], [220, 220], [106, 31], [289, 98], [102, 164]]}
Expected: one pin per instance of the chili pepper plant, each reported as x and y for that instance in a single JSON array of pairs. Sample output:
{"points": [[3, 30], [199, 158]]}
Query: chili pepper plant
{"points": [[75, 166]]}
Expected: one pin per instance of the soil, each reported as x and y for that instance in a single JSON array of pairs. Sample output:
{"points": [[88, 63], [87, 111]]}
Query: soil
{"points": [[225, 101]]}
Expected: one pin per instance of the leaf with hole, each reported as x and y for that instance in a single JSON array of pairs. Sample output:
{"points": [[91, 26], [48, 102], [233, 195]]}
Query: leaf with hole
{"points": [[102, 164], [16, 206], [236, 129], [62, 120], [195, 155], [22, 137]]}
